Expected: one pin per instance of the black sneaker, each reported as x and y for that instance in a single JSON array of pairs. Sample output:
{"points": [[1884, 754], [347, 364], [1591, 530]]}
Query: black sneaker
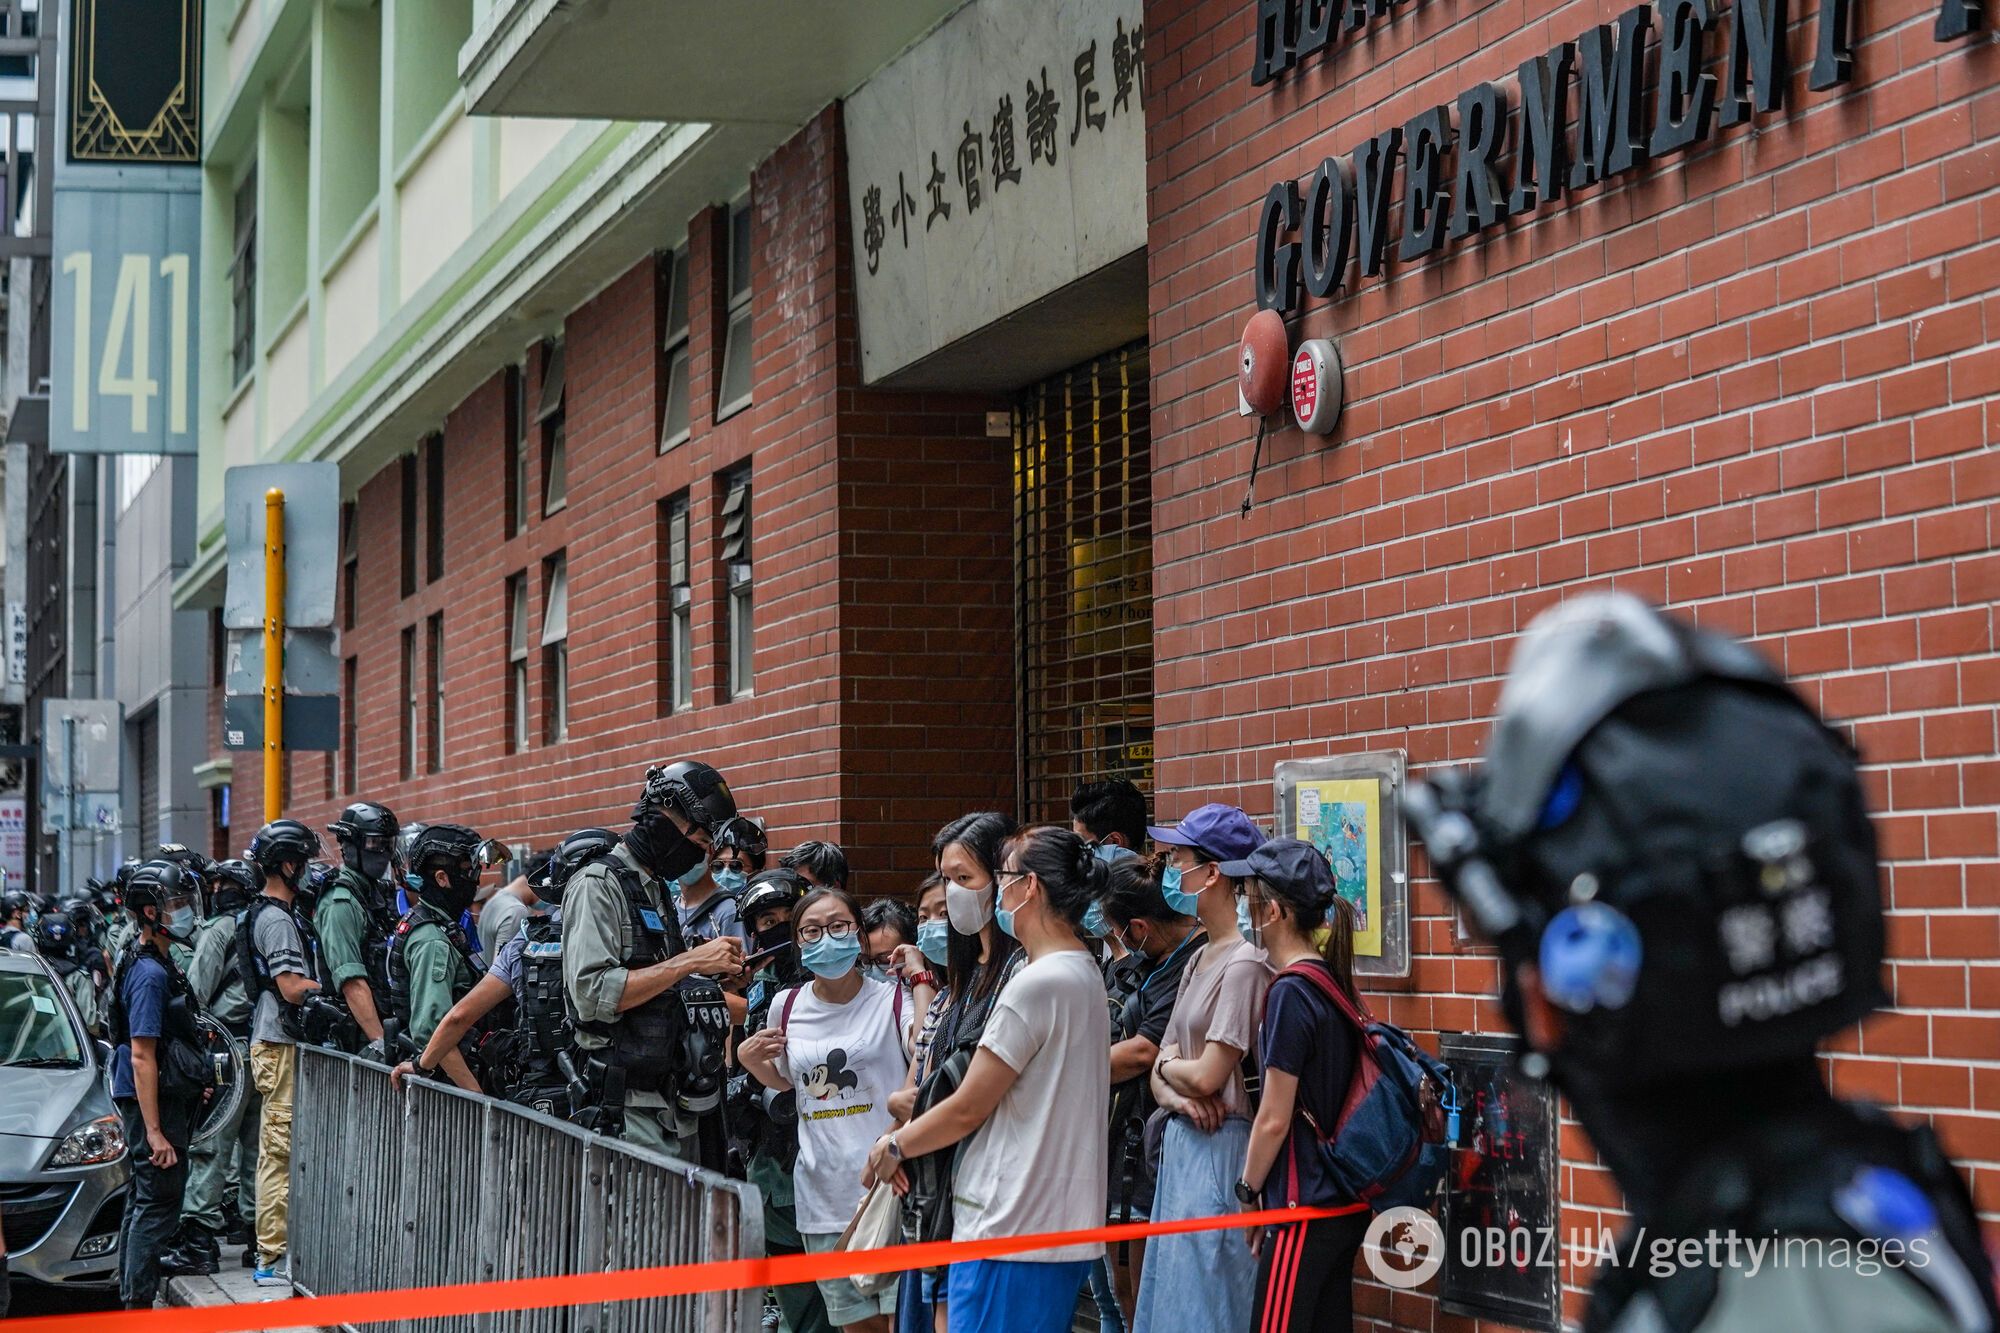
{"points": [[238, 1232]]}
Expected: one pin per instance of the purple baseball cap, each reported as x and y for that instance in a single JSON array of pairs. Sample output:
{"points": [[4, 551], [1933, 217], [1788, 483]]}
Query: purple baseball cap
{"points": [[1220, 832]]}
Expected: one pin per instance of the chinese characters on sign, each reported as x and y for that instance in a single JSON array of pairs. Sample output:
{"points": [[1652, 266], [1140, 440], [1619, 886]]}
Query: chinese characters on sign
{"points": [[995, 162]]}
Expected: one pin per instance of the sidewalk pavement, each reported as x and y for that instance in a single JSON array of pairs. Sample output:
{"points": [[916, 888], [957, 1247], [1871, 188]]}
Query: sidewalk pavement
{"points": [[232, 1285]]}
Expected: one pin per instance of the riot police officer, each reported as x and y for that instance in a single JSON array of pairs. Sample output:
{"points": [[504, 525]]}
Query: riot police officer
{"points": [[14, 911], [278, 956], [1673, 855], [430, 960], [122, 928], [352, 915], [221, 1189], [649, 1018], [62, 947]]}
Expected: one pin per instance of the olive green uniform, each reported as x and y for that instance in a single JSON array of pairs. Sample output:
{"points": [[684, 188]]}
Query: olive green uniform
{"points": [[226, 1164], [439, 978]]}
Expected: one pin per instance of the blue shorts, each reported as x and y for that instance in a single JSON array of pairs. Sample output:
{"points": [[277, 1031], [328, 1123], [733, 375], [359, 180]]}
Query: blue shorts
{"points": [[1015, 1296]]}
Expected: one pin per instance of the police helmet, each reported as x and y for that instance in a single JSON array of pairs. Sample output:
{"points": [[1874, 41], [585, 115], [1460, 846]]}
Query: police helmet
{"points": [[745, 835], [451, 844], [81, 909], [234, 884], [156, 883], [125, 869], [188, 859], [1673, 839], [366, 829], [768, 889], [570, 856], [56, 934], [12, 904], [280, 841], [692, 790]]}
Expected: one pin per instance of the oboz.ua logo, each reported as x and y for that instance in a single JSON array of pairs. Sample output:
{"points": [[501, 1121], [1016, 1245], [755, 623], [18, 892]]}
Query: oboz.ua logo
{"points": [[1404, 1247]]}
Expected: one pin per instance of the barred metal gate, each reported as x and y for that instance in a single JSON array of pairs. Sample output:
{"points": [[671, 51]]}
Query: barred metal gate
{"points": [[1083, 544], [434, 1186]]}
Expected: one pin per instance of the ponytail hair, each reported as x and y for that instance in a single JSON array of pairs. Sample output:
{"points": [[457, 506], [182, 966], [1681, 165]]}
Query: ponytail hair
{"points": [[1072, 876], [1338, 947]]}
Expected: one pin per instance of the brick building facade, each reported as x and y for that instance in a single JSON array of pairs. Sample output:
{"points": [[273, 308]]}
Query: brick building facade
{"points": [[1755, 379]]}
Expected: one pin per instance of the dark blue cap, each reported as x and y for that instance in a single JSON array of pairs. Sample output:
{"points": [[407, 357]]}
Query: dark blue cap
{"points": [[1295, 869], [1219, 831]]}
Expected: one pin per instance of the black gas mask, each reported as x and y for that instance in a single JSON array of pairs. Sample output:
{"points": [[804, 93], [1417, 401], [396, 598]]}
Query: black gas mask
{"points": [[660, 846], [454, 896]]}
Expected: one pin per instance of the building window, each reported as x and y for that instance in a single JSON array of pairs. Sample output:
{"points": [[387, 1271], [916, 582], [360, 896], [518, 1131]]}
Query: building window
{"points": [[736, 577], [409, 480], [555, 444], [680, 607], [674, 348], [555, 651], [434, 509], [350, 562], [132, 474], [243, 282], [733, 394], [410, 703], [517, 451], [434, 631], [1083, 542], [350, 733], [517, 663]]}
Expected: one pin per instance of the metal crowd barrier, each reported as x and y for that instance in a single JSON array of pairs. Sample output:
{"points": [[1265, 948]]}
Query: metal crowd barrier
{"points": [[434, 1186]]}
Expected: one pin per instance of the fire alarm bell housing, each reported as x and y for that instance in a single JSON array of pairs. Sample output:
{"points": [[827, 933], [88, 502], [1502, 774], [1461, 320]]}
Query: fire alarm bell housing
{"points": [[1260, 364], [1316, 386]]}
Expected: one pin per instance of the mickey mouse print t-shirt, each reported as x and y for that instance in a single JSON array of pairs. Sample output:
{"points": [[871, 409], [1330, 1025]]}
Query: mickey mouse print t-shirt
{"points": [[843, 1060]]}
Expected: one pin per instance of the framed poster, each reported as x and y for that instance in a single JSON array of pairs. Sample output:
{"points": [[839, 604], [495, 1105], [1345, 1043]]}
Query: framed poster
{"points": [[1502, 1210], [1351, 807]]}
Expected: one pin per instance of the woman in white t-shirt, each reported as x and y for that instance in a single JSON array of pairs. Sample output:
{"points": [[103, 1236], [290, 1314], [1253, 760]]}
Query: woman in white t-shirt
{"points": [[1033, 1104], [843, 1044]]}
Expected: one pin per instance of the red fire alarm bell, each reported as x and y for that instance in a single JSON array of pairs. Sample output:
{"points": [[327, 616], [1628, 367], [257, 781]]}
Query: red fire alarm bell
{"points": [[1316, 388], [1260, 363]]}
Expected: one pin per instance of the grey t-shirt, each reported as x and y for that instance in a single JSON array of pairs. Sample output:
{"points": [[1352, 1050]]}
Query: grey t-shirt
{"points": [[500, 921], [279, 945]]}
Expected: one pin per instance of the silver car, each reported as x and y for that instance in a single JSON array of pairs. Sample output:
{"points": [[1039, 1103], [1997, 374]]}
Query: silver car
{"points": [[62, 1150]]}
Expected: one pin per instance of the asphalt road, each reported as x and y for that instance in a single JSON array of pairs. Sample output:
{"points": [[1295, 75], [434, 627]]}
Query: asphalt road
{"points": [[34, 1298]]}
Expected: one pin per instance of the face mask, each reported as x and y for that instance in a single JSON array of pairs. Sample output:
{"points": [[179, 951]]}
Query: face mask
{"points": [[1178, 899], [1111, 853], [1243, 926], [831, 958], [1004, 919], [780, 934], [875, 971], [968, 909], [180, 922], [374, 865], [731, 881], [659, 845], [934, 940], [1094, 922]]}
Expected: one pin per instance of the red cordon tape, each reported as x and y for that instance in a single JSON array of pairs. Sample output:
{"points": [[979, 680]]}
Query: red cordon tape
{"points": [[630, 1284]]}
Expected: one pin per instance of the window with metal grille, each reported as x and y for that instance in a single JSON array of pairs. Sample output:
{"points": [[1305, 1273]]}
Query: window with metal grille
{"points": [[552, 418], [243, 281], [517, 451], [350, 562], [736, 578], [1083, 550], [680, 607], [555, 651], [434, 509], [434, 631], [517, 663], [410, 703], [674, 425], [409, 480], [733, 392]]}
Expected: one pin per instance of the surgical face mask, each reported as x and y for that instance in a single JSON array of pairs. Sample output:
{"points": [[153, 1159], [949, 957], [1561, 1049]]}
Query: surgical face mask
{"points": [[731, 880], [1244, 926], [695, 875], [969, 909], [831, 957], [934, 940], [180, 921], [1178, 899], [1004, 918], [875, 971], [1094, 922]]}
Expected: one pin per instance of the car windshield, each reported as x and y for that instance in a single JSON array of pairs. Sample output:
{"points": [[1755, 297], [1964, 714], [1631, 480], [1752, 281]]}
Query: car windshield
{"points": [[34, 1027]]}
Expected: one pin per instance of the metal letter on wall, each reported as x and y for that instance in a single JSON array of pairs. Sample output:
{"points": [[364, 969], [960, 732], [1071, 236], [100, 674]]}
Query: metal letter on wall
{"points": [[1351, 807], [126, 275]]}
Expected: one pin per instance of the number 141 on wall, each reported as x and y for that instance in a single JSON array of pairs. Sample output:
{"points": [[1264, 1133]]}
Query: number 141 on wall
{"points": [[124, 365]]}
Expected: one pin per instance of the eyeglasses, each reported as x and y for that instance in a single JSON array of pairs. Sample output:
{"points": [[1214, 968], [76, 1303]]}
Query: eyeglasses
{"points": [[838, 930], [1012, 874]]}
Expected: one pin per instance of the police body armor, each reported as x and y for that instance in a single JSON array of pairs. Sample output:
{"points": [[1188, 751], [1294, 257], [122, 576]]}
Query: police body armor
{"points": [[255, 973], [547, 1079], [375, 934], [465, 976], [674, 1043]]}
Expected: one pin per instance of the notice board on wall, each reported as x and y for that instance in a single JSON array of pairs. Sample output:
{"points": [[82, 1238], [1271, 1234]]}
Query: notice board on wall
{"points": [[1503, 1210]]}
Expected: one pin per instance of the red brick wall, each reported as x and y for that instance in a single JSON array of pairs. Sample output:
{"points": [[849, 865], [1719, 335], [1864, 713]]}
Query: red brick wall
{"points": [[1755, 381], [880, 549]]}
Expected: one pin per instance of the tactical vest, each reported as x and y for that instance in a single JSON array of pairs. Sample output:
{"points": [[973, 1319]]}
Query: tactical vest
{"points": [[374, 931], [674, 1043], [181, 1055], [255, 972], [543, 1014], [465, 974]]}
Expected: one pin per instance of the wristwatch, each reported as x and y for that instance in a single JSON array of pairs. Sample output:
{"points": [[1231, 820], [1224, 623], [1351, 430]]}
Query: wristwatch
{"points": [[895, 1148], [1244, 1194], [922, 979]]}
